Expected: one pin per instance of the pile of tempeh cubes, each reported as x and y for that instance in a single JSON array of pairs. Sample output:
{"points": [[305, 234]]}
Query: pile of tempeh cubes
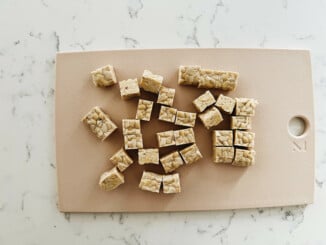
{"points": [[233, 146]]}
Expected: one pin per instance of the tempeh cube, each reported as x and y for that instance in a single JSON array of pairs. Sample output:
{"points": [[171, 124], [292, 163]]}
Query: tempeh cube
{"points": [[150, 182], [144, 110], [150, 82], [222, 138], [225, 103], [244, 138], [165, 138], [171, 161], [223, 154], [166, 96], [131, 126], [104, 76], [210, 118], [241, 122], [184, 136], [189, 75], [121, 160], [129, 88], [111, 179], [245, 107], [99, 123], [203, 101], [244, 158], [191, 154], [187, 119], [133, 141], [171, 183], [146, 156], [224, 80], [167, 114]]}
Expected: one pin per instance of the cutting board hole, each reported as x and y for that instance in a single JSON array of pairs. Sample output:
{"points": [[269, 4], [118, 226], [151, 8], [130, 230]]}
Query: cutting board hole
{"points": [[297, 126]]}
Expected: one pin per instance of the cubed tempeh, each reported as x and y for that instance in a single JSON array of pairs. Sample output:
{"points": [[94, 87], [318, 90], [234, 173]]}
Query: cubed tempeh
{"points": [[167, 114], [189, 75], [244, 158], [165, 138], [151, 82], [121, 160], [111, 179], [166, 96], [184, 136], [211, 117], [244, 138], [241, 122], [144, 110], [225, 103], [187, 119], [133, 141], [171, 183], [150, 182], [99, 123], [191, 154], [104, 76], [224, 80], [203, 101], [245, 107], [222, 138], [150, 155], [171, 161], [131, 126], [129, 88], [224, 154]]}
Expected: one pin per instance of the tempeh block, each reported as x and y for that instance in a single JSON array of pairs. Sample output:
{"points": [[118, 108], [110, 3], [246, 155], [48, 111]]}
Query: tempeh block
{"points": [[171, 183], [171, 161], [121, 160], [191, 154], [111, 179], [203, 101], [144, 110], [150, 182]]}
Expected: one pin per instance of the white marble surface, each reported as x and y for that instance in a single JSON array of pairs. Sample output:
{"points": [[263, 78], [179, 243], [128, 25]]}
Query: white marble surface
{"points": [[31, 34]]}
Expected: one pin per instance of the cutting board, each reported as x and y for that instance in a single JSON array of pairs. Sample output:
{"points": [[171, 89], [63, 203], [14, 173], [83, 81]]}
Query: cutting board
{"points": [[284, 171]]}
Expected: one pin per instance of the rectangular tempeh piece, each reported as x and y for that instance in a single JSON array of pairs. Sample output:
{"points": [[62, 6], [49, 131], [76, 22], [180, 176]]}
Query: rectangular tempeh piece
{"points": [[244, 158], [241, 122], [144, 110], [129, 88], [133, 141], [151, 82], [191, 154], [121, 160], [165, 138], [211, 117], [225, 103], [104, 76], [146, 156], [187, 119], [99, 123], [150, 182], [188, 75], [244, 138], [224, 154], [245, 107], [222, 138], [166, 96], [131, 126], [171, 161], [171, 183], [167, 114], [184, 136], [224, 80], [111, 179], [203, 101]]}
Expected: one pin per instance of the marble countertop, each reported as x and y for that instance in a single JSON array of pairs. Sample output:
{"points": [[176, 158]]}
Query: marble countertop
{"points": [[32, 33]]}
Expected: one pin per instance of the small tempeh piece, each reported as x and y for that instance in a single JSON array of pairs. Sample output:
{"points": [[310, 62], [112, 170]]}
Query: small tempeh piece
{"points": [[224, 80], [129, 88], [171, 161], [241, 122], [222, 138], [147, 156], [171, 183], [188, 75], [131, 126], [244, 158], [211, 117], [191, 154], [99, 123], [167, 114], [244, 138], [203, 101], [104, 76], [166, 96], [111, 179], [151, 82], [245, 107], [223, 154], [150, 182], [144, 110], [165, 138], [133, 141], [184, 136], [121, 160], [187, 119], [225, 103]]}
